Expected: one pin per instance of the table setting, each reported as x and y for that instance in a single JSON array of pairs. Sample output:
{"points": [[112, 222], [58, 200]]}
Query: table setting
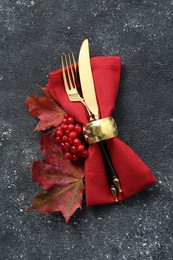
{"points": [[86, 130], [112, 172]]}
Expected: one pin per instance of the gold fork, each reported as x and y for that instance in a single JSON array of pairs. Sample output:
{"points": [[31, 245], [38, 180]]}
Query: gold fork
{"points": [[70, 82]]}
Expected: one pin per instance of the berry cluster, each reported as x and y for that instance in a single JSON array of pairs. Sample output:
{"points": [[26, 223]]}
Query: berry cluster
{"points": [[69, 137]]}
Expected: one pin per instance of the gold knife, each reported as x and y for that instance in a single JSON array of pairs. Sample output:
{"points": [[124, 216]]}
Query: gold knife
{"points": [[89, 95]]}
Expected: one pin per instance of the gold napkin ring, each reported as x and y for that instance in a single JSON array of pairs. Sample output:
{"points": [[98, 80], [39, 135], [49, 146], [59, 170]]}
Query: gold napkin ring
{"points": [[99, 130]]}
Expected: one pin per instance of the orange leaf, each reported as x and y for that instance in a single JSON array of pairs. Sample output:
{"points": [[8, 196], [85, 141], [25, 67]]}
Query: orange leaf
{"points": [[46, 109]]}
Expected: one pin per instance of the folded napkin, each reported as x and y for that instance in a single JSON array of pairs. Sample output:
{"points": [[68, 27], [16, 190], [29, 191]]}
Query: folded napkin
{"points": [[133, 174]]}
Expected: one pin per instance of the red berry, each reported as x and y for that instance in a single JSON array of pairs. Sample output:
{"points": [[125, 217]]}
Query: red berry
{"points": [[70, 120], [65, 121], [64, 138], [68, 155], [64, 127], [67, 146], [62, 146], [76, 142], [58, 139], [59, 132], [81, 148], [58, 128], [84, 153], [67, 132], [66, 116], [78, 129], [75, 158], [70, 127], [73, 149], [73, 134], [70, 140]]}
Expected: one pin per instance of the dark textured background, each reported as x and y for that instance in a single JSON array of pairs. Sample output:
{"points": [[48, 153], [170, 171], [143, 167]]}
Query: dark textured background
{"points": [[33, 36]]}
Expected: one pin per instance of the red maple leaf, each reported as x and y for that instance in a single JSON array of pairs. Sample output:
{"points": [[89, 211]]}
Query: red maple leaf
{"points": [[62, 180], [46, 109]]}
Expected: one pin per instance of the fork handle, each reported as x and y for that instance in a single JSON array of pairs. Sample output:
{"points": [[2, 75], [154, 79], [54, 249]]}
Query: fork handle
{"points": [[111, 173]]}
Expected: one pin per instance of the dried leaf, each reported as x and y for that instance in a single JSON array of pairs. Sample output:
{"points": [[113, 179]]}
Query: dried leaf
{"points": [[62, 179], [64, 199], [46, 109]]}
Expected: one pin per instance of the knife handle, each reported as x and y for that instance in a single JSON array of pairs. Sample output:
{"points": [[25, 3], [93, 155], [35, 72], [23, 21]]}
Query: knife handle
{"points": [[111, 173]]}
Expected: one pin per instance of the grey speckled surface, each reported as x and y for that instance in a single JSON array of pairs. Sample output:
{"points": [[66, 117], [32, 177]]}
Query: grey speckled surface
{"points": [[33, 35]]}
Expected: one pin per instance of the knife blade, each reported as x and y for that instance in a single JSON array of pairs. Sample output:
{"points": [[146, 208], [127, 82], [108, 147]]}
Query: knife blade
{"points": [[89, 95], [86, 79]]}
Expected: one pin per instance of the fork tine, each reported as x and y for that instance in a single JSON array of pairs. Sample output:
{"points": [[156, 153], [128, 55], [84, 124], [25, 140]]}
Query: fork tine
{"points": [[64, 74], [72, 73], [68, 73], [74, 62], [76, 73]]}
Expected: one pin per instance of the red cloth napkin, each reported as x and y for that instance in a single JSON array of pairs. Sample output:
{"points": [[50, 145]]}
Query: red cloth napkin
{"points": [[133, 174]]}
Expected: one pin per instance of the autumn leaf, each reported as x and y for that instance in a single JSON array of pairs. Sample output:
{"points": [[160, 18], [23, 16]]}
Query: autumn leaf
{"points": [[46, 109], [62, 180]]}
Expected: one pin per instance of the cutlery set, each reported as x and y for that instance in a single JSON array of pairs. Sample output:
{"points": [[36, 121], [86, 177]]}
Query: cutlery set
{"points": [[79, 86]]}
